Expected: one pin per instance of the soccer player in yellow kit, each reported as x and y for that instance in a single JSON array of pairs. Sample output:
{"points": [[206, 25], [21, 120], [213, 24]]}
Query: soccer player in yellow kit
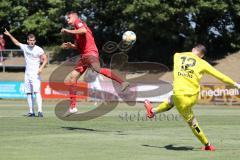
{"points": [[189, 68]]}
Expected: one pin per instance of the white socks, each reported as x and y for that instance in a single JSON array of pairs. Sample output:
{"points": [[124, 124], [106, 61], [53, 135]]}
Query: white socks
{"points": [[30, 101], [39, 101]]}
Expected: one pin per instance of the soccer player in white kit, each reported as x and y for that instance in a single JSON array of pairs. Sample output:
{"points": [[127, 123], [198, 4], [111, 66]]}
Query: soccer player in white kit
{"points": [[94, 81], [33, 55]]}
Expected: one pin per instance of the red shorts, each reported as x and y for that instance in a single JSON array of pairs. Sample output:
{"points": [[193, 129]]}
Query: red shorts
{"points": [[86, 61]]}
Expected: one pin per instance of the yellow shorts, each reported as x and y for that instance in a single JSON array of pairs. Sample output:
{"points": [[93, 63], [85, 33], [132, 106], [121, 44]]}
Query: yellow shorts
{"points": [[184, 104]]}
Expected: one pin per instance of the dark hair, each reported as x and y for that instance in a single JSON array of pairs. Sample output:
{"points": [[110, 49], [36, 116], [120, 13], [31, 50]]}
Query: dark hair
{"points": [[72, 12], [201, 48], [31, 36]]}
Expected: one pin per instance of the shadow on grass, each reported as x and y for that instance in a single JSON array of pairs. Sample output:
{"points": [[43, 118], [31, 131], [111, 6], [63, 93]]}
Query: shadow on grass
{"points": [[81, 129], [171, 147], [91, 130]]}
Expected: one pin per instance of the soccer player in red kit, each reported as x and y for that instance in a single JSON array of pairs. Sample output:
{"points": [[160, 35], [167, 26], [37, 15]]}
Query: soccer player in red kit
{"points": [[85, 44]]}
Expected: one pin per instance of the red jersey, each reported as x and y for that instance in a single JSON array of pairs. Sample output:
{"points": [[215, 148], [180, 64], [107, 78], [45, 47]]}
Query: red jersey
{"points": [[2, 44], [85, 42]]}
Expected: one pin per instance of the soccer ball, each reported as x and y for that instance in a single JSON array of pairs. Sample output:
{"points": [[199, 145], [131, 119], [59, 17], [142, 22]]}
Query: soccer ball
{"points": [[129, 37]]}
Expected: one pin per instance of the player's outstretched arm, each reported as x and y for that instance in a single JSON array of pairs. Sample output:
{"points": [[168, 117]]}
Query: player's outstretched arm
{"points": [[13, 39], [82, 30], [217, 74]]}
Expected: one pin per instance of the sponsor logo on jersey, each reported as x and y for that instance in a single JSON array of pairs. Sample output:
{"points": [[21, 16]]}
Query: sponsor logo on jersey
{"points": [[80, 24]]}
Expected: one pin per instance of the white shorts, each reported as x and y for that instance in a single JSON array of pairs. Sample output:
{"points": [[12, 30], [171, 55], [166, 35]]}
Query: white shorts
{"points": [[32, 84]]}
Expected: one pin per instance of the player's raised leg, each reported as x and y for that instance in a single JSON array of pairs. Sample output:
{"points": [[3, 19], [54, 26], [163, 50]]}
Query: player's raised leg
{"points": [[164, 106], [95, 65], [110, 74]]}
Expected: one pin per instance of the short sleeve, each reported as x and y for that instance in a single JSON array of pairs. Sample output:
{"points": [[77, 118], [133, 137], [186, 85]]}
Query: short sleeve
{"points": [[22, 46], [40, 51], [78, 24]]}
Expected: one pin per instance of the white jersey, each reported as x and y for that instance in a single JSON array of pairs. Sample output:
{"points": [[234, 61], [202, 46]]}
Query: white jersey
{"points": [[32, 58]]}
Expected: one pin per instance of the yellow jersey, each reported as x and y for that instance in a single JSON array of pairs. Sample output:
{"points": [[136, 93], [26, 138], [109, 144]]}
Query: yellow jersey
{"points": [[189, 69]]}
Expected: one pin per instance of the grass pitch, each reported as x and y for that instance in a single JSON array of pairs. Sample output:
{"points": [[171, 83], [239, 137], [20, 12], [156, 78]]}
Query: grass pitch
{"points": [[122, 134]]}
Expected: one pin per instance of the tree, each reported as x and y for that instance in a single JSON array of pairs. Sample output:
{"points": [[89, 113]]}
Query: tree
{"points": [[162, 27]]}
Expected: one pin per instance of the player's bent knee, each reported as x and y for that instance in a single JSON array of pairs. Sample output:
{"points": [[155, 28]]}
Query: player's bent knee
{"points": [[192, 122], [170, 107]]}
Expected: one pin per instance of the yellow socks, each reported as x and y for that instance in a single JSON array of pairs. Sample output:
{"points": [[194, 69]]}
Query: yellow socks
{"points": [[165, 106], [198, 132]]}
